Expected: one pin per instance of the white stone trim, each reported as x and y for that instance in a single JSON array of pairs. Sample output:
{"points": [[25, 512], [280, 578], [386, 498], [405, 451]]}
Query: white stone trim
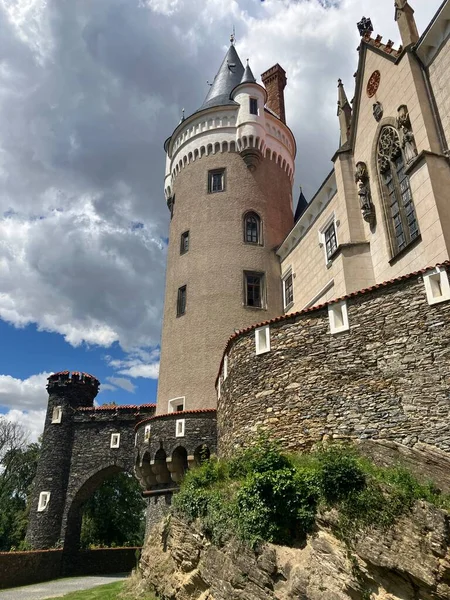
{"points": [[338, 317], [44, 499], [437, 286], [219, 388], [180, 427], [322, 243], [57, 414], [115, 440], [262, 339], [173, 402], [225, 367], [147, 433]]}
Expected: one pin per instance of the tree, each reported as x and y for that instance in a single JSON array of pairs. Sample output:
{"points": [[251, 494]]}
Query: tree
{"points": [[18, 463], [114, 515]]}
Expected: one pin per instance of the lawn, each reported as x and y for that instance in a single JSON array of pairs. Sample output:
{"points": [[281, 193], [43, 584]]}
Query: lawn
{"points": [[109, 591]]}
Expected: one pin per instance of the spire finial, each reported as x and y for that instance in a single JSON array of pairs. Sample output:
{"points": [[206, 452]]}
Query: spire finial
{"points": [[233, 37]]}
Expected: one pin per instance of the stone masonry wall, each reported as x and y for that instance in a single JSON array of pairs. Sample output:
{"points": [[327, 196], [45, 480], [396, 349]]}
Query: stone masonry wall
{"points": [[387, 378]]}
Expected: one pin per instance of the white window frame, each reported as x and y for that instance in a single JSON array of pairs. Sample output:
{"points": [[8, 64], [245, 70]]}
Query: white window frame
{"points": [[322, 243], [147, 433], [173, 402], [437, 286], [262, 339], [115, 440], [284, 278], [44, 500], [57, 414], [180, 427], [225, 367], [219, 389], [338, 317]]}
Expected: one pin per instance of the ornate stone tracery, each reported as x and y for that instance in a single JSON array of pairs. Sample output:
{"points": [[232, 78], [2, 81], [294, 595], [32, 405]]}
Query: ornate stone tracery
{"points": [[388, 148], [364, 193]]}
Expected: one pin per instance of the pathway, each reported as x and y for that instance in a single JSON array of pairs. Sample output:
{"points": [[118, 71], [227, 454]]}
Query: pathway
{"points": [[57, 587]]}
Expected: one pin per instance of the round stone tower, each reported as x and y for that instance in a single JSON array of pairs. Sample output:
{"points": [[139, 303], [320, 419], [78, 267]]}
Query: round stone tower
{"points": [[67, 392], [228, 186]]}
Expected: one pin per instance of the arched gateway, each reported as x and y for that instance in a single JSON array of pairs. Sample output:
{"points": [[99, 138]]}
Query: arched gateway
{"points": [[83, 445]]}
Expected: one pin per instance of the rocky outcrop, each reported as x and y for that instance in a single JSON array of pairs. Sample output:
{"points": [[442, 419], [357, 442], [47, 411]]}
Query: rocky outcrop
{"points": [[411, 561]]}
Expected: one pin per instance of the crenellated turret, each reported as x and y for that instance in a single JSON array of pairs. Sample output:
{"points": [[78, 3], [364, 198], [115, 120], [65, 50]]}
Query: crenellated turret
{"points": [[344, 112]]}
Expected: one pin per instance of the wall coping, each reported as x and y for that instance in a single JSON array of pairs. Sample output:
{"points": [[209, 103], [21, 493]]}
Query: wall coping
{"points": [[317, 307], [176, 415], [118, 407]]}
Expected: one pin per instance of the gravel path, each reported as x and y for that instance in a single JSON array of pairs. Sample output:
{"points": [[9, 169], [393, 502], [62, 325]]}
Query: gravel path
{"points": [[58, 587]]}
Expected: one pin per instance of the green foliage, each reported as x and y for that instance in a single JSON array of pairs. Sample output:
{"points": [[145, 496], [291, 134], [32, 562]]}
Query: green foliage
{"points": [[114, 515], [264, 495]]}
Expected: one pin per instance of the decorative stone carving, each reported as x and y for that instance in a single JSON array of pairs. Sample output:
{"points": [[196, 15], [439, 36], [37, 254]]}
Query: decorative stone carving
{"points": [[407, 137], [365, 27], [252, 157], [365, 196], [388, 148], [378, 111], [373, 84]]}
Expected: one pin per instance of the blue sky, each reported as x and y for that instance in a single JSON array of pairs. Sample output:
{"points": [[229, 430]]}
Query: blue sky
{"points": [[89, 91]]}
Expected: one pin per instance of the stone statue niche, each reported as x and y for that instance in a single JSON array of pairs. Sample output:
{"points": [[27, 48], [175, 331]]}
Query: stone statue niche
{"points": [[406, 134], [365, 196]]}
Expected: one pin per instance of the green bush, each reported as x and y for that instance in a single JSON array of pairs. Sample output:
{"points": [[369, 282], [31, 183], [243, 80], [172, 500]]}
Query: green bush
{"points": [[264, 456], [340, 474]]}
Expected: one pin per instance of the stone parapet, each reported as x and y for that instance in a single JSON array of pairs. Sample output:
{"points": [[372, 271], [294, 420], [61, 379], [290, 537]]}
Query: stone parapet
{"points": [[385, 378]]}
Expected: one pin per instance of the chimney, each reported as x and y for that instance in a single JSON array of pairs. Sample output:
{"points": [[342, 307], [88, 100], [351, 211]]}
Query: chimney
{"points": [[404, 15], [274, 80], [344, 112]]}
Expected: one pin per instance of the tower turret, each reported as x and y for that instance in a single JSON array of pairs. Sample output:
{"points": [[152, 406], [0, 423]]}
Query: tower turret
{"points": [[228, 183], [67, 392], [404, 15]]}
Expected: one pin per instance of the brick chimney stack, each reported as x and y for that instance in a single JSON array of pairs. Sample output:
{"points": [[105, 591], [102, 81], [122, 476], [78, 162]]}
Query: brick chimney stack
{"points": [[274, 80]]}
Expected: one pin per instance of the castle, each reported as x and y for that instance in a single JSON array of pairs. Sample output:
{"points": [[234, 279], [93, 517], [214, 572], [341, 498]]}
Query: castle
{"points": [[328, 323]]}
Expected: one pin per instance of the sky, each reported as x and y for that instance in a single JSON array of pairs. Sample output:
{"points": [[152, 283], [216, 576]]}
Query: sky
{"points": [[89, 91]]}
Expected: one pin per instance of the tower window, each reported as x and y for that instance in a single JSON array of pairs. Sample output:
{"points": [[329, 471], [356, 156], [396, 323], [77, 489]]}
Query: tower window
{"points": [[252, 228], [115, 440], [216, 180], [254, 289], [176, 404], [253, 106], [57, 414], [398, 203], [330, 240], [181, 301], [288, 290], [184, 244], [44, 499]]}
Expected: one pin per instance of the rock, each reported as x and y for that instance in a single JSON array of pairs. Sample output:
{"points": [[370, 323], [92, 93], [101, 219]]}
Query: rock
{"points": [[411, 561]]}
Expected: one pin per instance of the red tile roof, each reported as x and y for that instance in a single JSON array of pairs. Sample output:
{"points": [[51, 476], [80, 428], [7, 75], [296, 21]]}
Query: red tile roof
{"points": [[324, 305], [176, 415]]}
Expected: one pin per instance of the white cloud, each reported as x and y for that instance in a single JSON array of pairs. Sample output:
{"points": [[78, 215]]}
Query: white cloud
{"points": [[123, 383], [138, 364], [24, 394], [32, 421]]}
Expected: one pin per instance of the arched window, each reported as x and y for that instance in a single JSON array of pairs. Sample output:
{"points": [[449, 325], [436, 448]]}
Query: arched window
{"points": [[399, 205], [252, 228]]}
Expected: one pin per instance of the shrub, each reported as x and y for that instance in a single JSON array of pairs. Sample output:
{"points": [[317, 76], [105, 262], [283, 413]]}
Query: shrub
{"points": [[340, 474], [264, 456]]}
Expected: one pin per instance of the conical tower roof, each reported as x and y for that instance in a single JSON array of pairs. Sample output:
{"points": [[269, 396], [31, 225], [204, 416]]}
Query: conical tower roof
{"points": [[228, 77], [302, 205], [248, 76]]}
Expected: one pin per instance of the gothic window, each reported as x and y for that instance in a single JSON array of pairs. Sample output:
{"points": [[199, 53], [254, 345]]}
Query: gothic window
{"points": [[399, 205], [181, 301], [252, 228], [216, 181], [184, 244], [254, 289], [330, 240]]}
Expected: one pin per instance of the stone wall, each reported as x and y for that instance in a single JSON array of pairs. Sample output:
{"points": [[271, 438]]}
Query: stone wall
{"points": [[387, 378]]}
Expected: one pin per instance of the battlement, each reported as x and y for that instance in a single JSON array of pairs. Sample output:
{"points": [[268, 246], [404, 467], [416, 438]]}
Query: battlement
{"points": [[63, 379]]}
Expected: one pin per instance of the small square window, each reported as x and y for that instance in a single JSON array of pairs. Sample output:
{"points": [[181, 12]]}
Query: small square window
{"points": [[57, 414], [147, 431], [176, 404], [338, 317], [181, 301], [253, 106], [254, 289], [115, 440], [216, 181], [179, 427], [262, 339], [288, 290], [184, 244], [330, 240], [437, 286], [44, 499]]}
